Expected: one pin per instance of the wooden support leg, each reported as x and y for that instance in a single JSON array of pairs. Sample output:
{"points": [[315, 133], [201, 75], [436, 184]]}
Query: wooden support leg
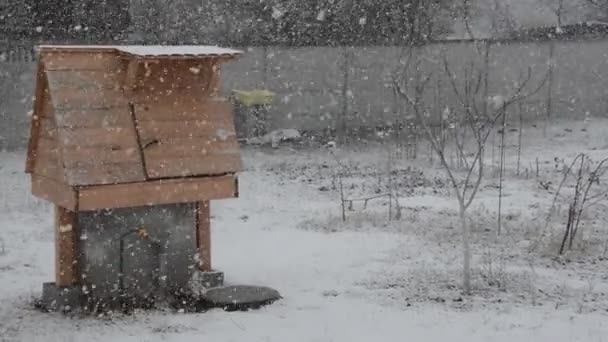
{"points": [[203, 235], [67, 270]]}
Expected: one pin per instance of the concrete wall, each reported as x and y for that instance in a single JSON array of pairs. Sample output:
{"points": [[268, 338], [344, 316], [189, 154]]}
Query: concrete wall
{"points": [[171, 229], [312, 95], [326, 87]]}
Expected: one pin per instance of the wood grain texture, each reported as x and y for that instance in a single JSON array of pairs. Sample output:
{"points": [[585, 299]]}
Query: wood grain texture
{"points": [[47, 104], [76, 156], [66, 247], [86, 79], [111, 173], [166, 167], [69, 98], [102, 60], [54, 191], [203, 235], [106, 117], [48, 130], [191, 147], [47, 160], [101, 155], [188, 138], [41, 89], [86, 99], [187, 190], [213, 130], [174, 74], [114, 137], [179, 109], [48, 168]]}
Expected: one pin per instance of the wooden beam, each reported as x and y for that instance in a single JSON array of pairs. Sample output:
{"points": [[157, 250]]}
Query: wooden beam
{"points": [[203, 235], [67, 269], [41, 88], [54, 191], [81, 60], [163, 191], [131, 75]]}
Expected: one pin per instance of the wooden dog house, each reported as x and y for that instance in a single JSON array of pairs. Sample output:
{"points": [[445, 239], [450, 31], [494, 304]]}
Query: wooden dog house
{"points": [[126, 127]]}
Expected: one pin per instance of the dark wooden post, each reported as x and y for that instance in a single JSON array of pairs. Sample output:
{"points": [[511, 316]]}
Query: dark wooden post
{"points": [[67, 270], [203, 235]]}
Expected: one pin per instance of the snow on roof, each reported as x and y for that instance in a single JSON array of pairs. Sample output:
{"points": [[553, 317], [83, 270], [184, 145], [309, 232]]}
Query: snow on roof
{"points": [[153, 50]]}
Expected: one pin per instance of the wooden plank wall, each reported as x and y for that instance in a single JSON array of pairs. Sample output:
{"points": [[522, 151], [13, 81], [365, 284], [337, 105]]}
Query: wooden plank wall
{"points": [[94, 123], [183, 130], [46, 156], [107, 120], [188, 139], [155, 192]]}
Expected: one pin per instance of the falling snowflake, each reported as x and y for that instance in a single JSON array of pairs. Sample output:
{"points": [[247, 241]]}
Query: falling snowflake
{"points": [[277, 13], [223, 134], [321, 15]]}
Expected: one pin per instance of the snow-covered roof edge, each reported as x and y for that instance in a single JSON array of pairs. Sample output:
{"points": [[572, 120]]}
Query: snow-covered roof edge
{"points": [[151, 50]]}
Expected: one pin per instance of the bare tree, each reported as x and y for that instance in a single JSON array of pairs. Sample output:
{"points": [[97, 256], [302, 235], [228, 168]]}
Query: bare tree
{"points": [[476, 117], [584, 196], [559, 8]]}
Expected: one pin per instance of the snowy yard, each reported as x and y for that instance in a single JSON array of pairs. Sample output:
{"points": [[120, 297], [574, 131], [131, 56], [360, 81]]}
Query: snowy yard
{"points": [[364, 279]]}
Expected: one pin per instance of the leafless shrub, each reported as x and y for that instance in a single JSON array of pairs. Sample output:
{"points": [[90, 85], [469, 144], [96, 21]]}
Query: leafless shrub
{"points": [[585, 196], [476, 116]]}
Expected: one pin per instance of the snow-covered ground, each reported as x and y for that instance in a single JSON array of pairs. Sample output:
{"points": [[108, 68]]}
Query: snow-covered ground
{"points": [[366, 279]]}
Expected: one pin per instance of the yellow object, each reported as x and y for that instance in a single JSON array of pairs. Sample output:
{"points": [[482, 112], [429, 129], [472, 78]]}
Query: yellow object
{"points": [[143, 233], [254, 97]]}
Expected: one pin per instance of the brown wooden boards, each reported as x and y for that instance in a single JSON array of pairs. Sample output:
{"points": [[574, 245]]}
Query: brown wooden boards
{"points": [[183, 167], [113, 173], [177, 74], [186, 190], [71, 60], [100, 155], [41, 90], [87, 79], [106, 118], [46, 154], [66, 247], [188, 147], [54, 191], [203, 235], [93, 117], [74, 99], [48, 129], [181, 108], [47, 160], [188, 138]]}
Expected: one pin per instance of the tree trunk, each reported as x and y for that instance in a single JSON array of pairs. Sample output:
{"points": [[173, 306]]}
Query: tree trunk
{"points": [[466, 248]]}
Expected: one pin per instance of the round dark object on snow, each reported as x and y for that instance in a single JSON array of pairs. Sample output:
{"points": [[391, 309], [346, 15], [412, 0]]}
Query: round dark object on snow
{"points": [[241, 297]]}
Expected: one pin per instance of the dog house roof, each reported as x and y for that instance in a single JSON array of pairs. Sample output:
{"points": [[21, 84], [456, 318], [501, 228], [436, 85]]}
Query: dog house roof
{"points": [[154, 51]]}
